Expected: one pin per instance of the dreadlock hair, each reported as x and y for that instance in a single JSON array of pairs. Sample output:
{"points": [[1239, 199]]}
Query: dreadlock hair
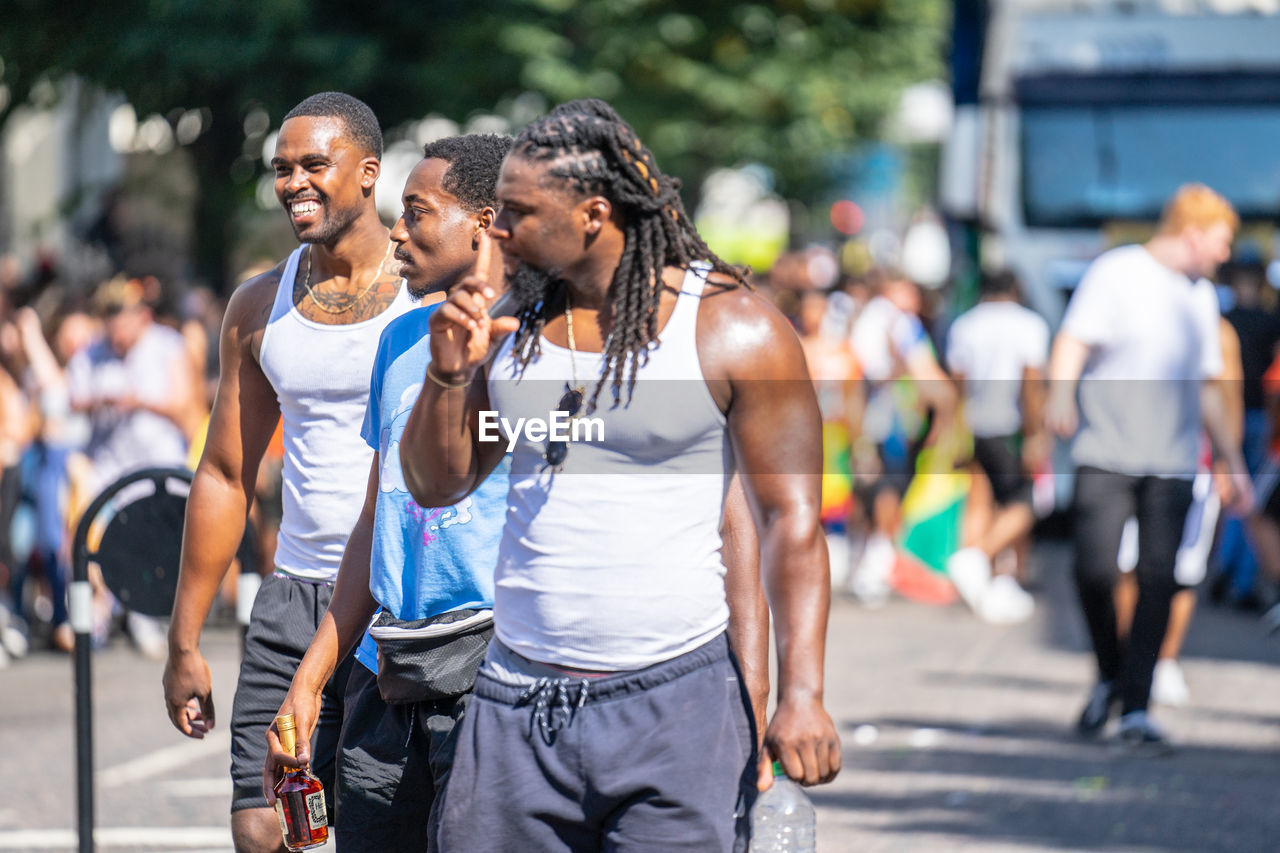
{"points": [[474, 162], [361, 123], [595, 152]]}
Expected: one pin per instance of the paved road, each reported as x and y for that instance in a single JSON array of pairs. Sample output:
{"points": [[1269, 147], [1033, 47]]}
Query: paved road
{"points": [[956, 738]]}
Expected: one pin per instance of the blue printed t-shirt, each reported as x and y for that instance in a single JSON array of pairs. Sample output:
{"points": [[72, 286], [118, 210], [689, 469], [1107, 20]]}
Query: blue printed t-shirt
{"points": [[424, 561]]}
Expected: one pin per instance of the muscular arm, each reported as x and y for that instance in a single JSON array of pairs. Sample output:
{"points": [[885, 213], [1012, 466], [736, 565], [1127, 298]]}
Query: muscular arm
{"points": [[748, 607], [245, 413], [442, 459], [440, 454], [756, 369], [340, 629]]}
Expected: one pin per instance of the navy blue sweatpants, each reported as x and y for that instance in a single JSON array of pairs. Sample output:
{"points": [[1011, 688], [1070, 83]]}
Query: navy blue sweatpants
{"points": [[661, 758]]}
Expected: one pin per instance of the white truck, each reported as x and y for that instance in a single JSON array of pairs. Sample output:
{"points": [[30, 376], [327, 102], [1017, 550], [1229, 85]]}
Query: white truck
{"points": [[1090, 113]]}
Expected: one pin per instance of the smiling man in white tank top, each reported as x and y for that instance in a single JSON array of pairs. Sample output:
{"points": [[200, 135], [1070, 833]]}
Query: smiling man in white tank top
{"points": [[298, 343], [609, 713]]}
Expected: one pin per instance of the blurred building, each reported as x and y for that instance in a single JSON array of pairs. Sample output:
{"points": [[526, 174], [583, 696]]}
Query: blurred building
{"points": [[57, 166], [1076, 119]]}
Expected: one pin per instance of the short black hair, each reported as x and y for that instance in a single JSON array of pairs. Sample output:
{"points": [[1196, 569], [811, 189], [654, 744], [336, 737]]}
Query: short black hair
{"points": [[1001, 282], [474, 162], [361, 123]]}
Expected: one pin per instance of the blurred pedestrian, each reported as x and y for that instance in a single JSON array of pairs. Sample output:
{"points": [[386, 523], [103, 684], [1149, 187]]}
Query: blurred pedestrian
{"points": [[63, 436], [1137, 344], [297, 342], [1210, 486], [997, 352], [1258, 329], [134, 383], [17, 430], [835, 373], [891, 344]]}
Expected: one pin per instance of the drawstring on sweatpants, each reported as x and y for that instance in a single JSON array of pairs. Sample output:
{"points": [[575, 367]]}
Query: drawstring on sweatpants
{"points": [[542, 693]]}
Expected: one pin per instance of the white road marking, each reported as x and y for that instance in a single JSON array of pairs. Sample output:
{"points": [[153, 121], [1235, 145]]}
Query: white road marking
{"points": [[130, 837], [215, 786], [169, 758]]}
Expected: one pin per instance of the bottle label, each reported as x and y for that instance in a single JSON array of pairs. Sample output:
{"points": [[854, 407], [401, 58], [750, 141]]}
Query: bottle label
{"points": [[284, 827], [317, 816]]}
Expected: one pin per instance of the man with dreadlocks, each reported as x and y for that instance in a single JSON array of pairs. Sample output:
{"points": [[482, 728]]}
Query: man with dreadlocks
{"points": [[609, 711]]}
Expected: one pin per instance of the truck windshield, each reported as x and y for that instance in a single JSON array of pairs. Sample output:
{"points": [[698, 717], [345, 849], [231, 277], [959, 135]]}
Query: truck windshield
{"points": [[1085, 164]]}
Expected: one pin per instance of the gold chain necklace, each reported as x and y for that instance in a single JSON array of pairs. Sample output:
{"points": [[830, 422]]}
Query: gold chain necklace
{"points": [[351, 303], [573, 364]]}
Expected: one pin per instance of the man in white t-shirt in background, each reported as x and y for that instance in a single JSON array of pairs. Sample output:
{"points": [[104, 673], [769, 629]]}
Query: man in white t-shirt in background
{"points": [[997, 352], [134, 383], [1136, 345]]}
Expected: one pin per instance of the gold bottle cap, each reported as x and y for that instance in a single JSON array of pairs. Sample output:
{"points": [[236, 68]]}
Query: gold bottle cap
{"points": [[285, 727]]}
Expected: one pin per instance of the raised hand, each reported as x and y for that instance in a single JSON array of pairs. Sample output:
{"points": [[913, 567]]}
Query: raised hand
{"points": [[461, 329]]}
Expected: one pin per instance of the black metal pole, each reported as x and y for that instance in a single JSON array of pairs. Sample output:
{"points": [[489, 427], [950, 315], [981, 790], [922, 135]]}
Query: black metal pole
{"points": [[80, 601], [84, 741]]}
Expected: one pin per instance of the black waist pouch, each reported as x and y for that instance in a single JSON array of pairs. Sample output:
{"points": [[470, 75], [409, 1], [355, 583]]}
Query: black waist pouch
{"points": [[431, 659]]}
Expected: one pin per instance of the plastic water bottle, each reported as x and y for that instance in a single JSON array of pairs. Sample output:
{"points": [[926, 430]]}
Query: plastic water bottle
{"points": [[782, 820]]}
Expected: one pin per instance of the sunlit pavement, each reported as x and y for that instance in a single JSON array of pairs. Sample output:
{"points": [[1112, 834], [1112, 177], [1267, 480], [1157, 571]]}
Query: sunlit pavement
{"points": [[958, 735]]}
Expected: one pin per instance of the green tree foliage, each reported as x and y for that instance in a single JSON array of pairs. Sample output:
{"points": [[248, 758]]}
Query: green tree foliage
{"points": [[705, 83]]}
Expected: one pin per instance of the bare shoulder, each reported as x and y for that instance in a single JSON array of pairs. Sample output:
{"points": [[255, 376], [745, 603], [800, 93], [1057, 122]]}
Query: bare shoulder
{"points": [[741, 333], [733, 308], [250, 304]]}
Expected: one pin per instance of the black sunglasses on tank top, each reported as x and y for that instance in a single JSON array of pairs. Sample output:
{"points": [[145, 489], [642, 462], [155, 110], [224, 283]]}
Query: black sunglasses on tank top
{"points": [[558, 450]]}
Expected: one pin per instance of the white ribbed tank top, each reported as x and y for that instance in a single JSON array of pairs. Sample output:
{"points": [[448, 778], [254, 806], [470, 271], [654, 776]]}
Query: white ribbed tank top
{"points": [[321, 377], [613, 563]]}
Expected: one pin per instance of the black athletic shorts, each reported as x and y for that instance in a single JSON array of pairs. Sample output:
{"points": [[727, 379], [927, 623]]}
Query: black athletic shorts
{"points": [[1000, 460], [285, 616], [395, 760]]}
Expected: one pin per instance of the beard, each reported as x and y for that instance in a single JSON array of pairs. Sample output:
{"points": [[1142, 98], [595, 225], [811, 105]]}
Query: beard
{"points": [[330, 225], [396, 267], [529, 286], [417, 294]]}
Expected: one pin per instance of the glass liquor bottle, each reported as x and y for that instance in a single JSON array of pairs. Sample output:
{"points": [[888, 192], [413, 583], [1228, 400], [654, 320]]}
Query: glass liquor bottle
{"points": [[304, 821]]}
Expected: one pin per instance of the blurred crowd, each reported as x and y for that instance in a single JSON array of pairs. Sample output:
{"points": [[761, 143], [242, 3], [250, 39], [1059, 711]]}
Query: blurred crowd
{"points": [[95, 383], [936, 459]]}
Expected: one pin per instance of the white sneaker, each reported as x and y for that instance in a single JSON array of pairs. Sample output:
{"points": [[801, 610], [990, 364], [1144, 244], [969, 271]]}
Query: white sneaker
{"points": [[1005, 602], [970, 571], [869, 580], [1168, 687], [12, 639]]}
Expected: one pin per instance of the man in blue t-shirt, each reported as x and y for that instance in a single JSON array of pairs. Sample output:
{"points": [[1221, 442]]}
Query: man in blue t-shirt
{"points": [[409, 562]]}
